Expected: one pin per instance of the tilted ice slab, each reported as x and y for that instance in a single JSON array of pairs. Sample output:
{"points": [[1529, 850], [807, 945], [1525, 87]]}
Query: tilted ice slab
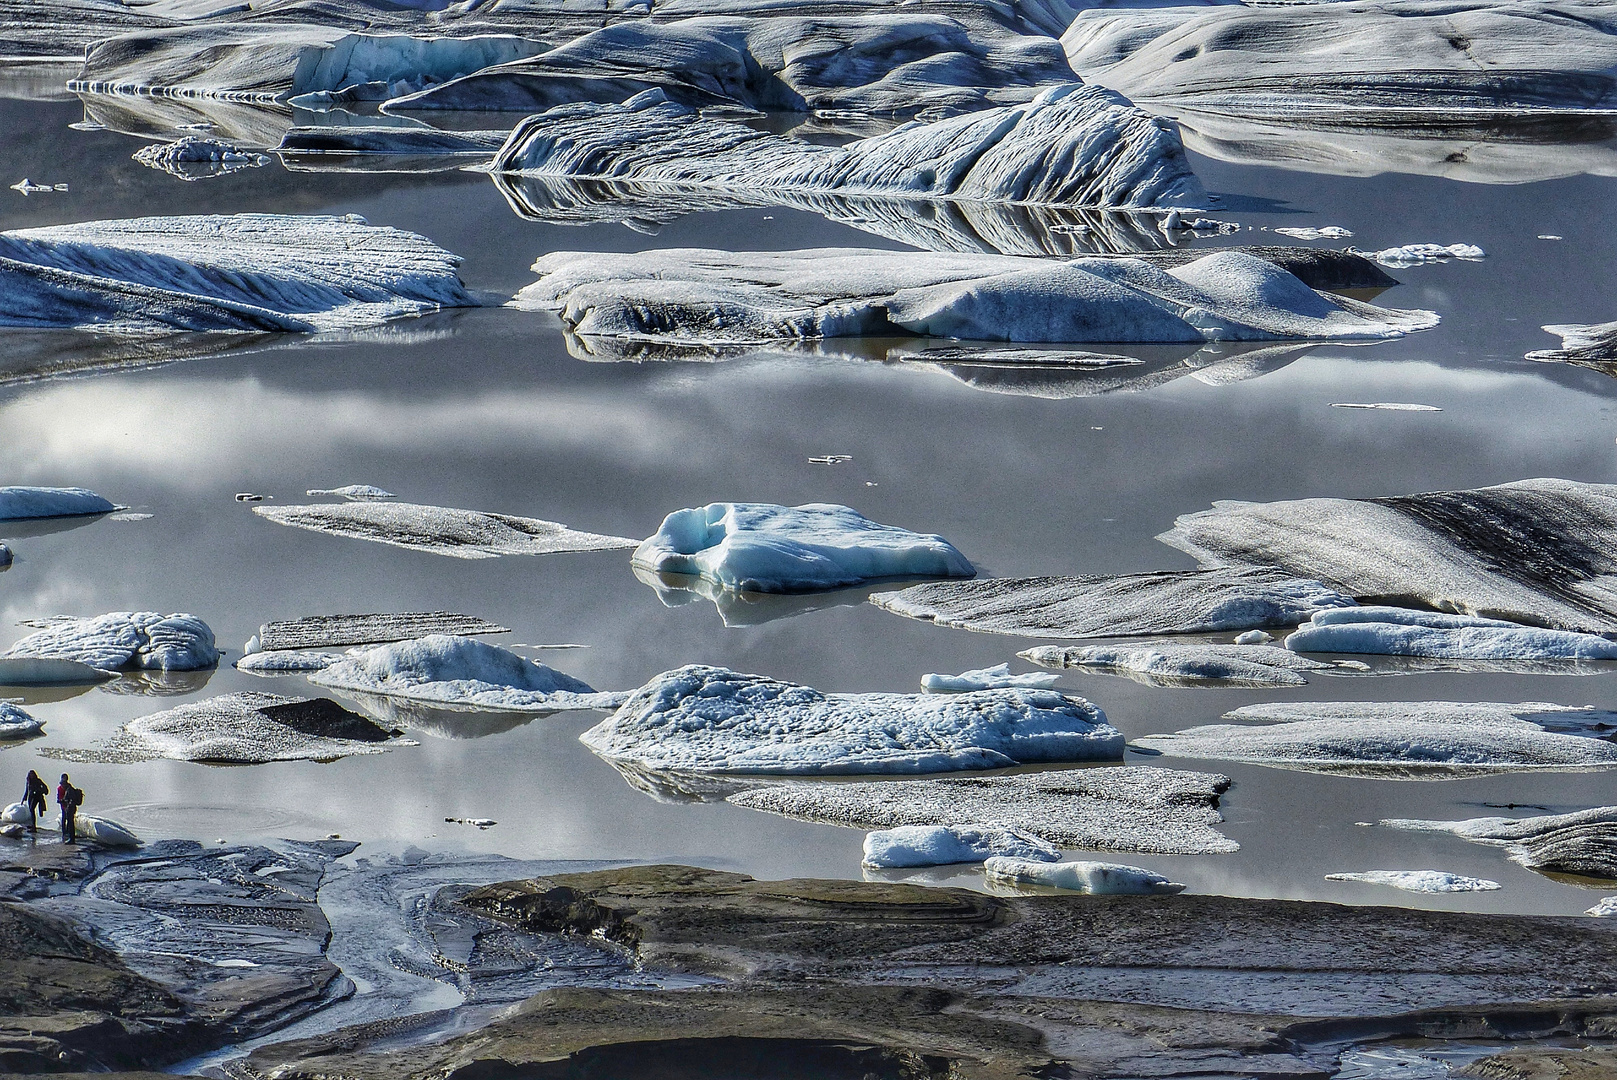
{"points": [[1591, 343], [1391, 631], [944, 845], [1073, 145], [1100, 878], [242, 272], [1583, 844], [1173, 663], [1160, 602], [125, 640], [1423, 739], [1542, 552], [1126, 808], [694, 294], [17, 723], [763, 547], [1420, 881], [712, 720], [994, 678], [330, 631], [48, 671], [462, 534], [460, 672], [21, 503]]}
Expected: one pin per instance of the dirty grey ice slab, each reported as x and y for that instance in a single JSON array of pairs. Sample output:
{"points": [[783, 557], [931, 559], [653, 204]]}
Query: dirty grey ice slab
{"points": [[1581, 844], [1542, 551], [461, 534], [1159, 602], [331, 631]]}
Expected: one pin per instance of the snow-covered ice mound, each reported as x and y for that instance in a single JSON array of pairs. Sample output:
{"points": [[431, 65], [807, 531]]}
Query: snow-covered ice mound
{"points": [[1172, 663], [1419, 881], [196, 157], [762, 547], [1100, 878], [16, 723], [1581, 343], [703, 295], [1583, 844], [1542, 552], [331, 631], [1419, 739], [460, 672], [1160, 602], [943, 845], [23, 503], [1126, 808], [994, 678], [242, 272], [1073, 145], [442, 530], [712, 720], [1391, 631], [125, 641]]}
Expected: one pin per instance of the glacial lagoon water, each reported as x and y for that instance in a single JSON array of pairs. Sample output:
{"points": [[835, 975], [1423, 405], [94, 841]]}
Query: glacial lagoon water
{"points": [[494, 409]]}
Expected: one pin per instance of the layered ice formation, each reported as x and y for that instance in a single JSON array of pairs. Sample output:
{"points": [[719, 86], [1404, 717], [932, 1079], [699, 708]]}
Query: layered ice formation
{"points": [[1541, 552], [994, 678], [702, 295], [331, 631], [464, 673], [461, 534], [712, 720], [242, 272], [1173, 663], [1073, 145], [1420, 881], [21, 503], [1582, 844], [124, 641], [1126, 605], [762, 547], [17, 723], [1126, 808], [1594, 344], [944, 845], [1100, 878], [1391, 631]]}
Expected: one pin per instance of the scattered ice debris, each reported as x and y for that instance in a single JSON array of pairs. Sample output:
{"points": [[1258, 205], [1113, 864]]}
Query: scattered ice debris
{"points": [[995, 678], [105, 831], [17, 723], [1420, 881], [461, 534], [1592, 343], [248, 497], [1391, 631], [831, 459], [331, 631], [1431, 740], [1536, 551], [464, 673], [242, 272], [762, 547], [1127, 605], [1125, 808], [28, 187], [1606, 909], [1100, 878], [694, 295], [1254, 637], [479, 822], [195, 157], [1173, 663], [1582, 844], [1329, 232], [287, 661], [1390, 406], [21, 503], [1415, 254], [944, 845], [354, 491], [124, 641]]}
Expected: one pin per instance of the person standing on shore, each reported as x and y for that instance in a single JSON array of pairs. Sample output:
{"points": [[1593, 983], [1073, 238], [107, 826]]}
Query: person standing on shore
{"points": [[33, 796], [68, 799]]}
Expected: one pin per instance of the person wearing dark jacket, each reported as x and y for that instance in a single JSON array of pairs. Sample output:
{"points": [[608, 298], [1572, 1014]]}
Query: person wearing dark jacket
{"points": [[33, 796], [68, 800]]}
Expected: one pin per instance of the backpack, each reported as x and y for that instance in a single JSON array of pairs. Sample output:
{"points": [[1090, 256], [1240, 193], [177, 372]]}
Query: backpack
{"points": [[75, 797]]}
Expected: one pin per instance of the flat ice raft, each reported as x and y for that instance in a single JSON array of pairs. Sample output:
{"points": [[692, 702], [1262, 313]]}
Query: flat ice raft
{"points": [[707, 719], [702, 295], [1101, 878], [1172, 663], [442, 530]]}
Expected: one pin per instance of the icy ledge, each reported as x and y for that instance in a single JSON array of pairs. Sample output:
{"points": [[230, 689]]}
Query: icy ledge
{"points": [[243, 272], [16, 723], [1073, 145]]}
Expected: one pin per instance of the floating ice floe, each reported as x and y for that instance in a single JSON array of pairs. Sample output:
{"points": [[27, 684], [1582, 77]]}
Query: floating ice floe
{"points": [[1391, 631], [1073, 145], [1593, 343], [1329, 232], [243, 272], [16, 723], [712, 720], [124, 641], [48, 671], [195, 158], [1606, 909], [1173, 663], [1542, 552], [944, 845], [1403, 739], [462, 534], [1420, 881], [22, 503], [28, 187], [1415, 254], [1127, 808], [1582, 844], [1386, 406], [1100, 878], [702, 295], [995, 678], [1161, 602], [762, 547], [354, 491], [1254, 637], [329, 631], [463, 673], [287, 661]]}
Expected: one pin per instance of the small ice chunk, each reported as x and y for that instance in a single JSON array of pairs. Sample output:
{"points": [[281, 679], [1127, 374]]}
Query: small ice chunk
{"points": [[1607, 908], [1329, 232], [1389, 406], [944, 845], [479, 822], [1100, 878], [994, 678], [22, 503], [831, 459], [1550, 236], [287, 661], [15, 814], [1415, 254], [1174, 663], [28, 187], [1420, 881], [1254, 637], [104, 831], [126, 640], [1392, 631], [248, 497], [234, 963], [11, 831], [18, 724], [354, 491], [442, 530]]}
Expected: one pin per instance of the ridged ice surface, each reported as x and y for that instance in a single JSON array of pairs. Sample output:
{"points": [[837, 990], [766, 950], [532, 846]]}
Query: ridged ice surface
{"points": [[1583, 843], [1072, 145], [125, 640], [1393, 631], [1175, 663], [331, 631], [442, 530]]}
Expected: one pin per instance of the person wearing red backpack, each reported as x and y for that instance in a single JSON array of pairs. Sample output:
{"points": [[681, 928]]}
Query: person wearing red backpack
{"points": [[68, 800]]}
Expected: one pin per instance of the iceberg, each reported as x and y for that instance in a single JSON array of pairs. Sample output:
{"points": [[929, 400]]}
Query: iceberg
{"points": [[1391, 631], [462, 673], [242, 272], [762, 547], [460, 534], [124, 641], [354, 492], [1125, 605], [1124, 808], [1420, 881], [22, 503], [195, 158], [16, 723], [1415, 254], [943, 845], [713, 720], [330, 631], [1170, 663], [1100, 878], [1581, 844], [995, 678]]}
